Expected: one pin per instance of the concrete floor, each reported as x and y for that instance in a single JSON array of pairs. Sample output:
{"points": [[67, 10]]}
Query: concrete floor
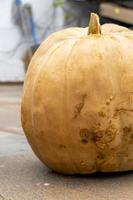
{"points": [[24, 177]]}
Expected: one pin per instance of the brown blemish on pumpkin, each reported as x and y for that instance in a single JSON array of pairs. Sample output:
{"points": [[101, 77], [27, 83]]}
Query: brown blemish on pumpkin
{"points": [[98, 124], [102, 107], [131, 137], [79, 107], [62, 146], [83, 164], [111, 98], [100, 56], [128, 135], [85, 135], [84, 140], [127, 129], [110, 166], [108, 101], [100, 160], [123, 110], [87, 167], [101, 113], [100, 156], [104, 136]]}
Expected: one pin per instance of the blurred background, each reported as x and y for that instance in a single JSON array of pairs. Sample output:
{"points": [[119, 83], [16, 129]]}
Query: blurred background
{"points": [[24, 24]]}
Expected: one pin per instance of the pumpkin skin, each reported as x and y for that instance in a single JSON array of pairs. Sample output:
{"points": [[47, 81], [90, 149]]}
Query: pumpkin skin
{"points": [[77, 105]]}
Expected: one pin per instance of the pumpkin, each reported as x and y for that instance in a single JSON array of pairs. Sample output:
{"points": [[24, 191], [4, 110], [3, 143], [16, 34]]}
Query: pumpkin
{"points": [[77, 104]]}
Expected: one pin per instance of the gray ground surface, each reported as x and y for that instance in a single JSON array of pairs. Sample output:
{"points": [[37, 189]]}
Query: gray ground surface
{"points": [[24, 177]]}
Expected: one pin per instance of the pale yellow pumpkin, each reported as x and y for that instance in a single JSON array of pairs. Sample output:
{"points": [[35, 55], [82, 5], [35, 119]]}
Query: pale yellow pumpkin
{"points": [[77, 106]]}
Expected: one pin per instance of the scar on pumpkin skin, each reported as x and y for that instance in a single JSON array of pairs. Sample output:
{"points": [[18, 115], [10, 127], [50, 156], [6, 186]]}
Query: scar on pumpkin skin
{"points": [[62, 146], [79, 107], [85, 135]]}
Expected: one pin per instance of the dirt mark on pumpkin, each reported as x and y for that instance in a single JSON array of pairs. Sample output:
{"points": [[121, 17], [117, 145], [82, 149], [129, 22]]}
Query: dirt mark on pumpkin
{"points": [[122, 111], [79, 107], [62, 146], [85, 135], [104, 136]]}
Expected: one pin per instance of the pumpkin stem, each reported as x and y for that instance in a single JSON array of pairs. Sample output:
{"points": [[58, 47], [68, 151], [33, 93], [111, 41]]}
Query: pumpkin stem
{"points": [[94, 24]]}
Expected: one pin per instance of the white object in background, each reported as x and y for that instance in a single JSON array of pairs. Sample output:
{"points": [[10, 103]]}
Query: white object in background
{"points": [[12, 70], [11, 65]]}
